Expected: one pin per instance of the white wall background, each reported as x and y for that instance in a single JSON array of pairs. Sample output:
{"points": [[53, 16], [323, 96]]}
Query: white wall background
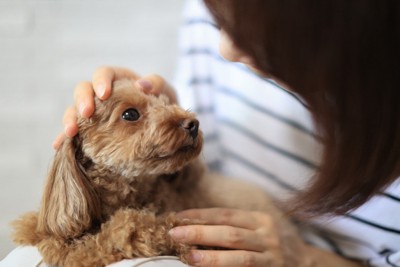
{"points": [[46, 48]]}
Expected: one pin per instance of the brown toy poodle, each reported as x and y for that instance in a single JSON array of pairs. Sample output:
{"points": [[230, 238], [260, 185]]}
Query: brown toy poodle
{"points": [[112, 190]]}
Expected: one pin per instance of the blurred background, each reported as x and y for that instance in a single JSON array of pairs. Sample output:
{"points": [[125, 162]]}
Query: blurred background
{"points": [[46, 48]]}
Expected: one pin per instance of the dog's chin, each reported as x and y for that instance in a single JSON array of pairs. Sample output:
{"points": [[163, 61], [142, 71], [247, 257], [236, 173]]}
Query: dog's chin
{"points": [[188, 151], [193, 146], [179, 157]]}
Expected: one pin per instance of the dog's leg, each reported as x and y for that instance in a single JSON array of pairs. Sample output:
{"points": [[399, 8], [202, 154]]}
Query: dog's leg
{"points": [[128, 234], [222, 191]]}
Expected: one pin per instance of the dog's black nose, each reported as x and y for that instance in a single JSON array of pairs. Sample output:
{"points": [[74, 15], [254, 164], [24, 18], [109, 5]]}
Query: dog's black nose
{"points": [[192, 126]]}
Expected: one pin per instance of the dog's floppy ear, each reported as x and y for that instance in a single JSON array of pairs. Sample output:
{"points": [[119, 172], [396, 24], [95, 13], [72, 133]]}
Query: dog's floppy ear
{"points": [[69, 205]]}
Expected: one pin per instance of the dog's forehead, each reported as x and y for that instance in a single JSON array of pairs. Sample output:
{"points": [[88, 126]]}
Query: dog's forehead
{"points": [[126, 91]]}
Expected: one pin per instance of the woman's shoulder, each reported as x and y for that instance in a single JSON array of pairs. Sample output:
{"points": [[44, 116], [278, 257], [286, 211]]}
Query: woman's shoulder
{"points": [[371, 232]]}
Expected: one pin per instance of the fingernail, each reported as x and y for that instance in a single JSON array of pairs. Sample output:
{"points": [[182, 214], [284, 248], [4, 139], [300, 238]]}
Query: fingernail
{"points": [[100, 90], [177, 233], [68, 130], [145, 85], [195, 257]]}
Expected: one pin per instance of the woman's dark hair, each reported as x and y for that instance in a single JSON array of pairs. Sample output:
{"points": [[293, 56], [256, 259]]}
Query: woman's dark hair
{"points": [[343, 58]]}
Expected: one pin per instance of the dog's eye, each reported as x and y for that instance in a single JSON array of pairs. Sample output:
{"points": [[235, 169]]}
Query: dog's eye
{"points": [[130, 115]]}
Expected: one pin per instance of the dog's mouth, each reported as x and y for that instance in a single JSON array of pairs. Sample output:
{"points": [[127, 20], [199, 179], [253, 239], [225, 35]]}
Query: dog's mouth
{"points": [[190, 145], [184, 149]]}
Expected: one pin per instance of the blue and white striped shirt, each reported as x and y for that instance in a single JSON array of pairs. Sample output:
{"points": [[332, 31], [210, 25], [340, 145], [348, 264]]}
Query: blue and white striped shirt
{"points": [[256, 130]]}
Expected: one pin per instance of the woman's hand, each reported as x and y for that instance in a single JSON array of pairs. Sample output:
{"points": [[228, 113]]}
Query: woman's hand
{"points": [[101, 86], [250, 239]]}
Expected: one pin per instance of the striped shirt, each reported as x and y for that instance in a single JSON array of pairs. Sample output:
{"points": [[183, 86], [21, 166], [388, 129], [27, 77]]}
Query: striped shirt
{"points": [[256, 130]]}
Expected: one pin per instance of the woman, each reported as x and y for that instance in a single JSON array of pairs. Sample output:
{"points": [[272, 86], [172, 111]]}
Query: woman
{"points": [[340, 59]]}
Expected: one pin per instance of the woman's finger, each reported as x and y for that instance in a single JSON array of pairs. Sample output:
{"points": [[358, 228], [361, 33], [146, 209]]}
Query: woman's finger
{"points": [[152, 84], [102, 81], [233, 217], [220, 236], [231, 258], [103, 78], [70, 122], [58, 141], [156, 85], [83, 97]]}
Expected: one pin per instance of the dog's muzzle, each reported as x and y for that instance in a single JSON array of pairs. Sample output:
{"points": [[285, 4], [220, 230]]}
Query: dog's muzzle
{"points": [[191, 126]]}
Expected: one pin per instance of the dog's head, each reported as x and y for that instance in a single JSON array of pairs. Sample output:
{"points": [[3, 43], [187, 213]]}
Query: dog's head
{"points": [[136, 134], [131, 134]]}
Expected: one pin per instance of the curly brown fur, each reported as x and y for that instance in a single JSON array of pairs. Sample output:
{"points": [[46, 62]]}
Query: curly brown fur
{"points": [[110, 186], [113, 189]]}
